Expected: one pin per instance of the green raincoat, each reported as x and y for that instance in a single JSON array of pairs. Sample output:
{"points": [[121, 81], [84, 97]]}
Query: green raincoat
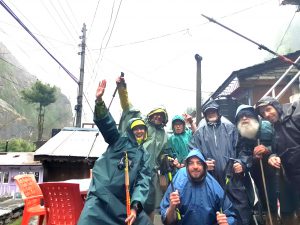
{"points": [[156, 142], [179, 142], [106, 199]]}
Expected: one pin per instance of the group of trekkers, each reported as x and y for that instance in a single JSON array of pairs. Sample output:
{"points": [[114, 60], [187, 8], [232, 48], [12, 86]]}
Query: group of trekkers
{"points": [[216, 172]]}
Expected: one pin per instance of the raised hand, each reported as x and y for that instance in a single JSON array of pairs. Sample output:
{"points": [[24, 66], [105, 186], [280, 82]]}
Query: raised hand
{"points": [[100, 89]]}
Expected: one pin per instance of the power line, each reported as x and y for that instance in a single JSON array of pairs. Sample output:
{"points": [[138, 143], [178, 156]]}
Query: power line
{"points": [[110, 19], [179, 31], [63, 22], [70, 8], [12, 64], [54, 19], [70, 21], [145, 40], [288, 27], [35, 38], [109, 34], [95, 13]]}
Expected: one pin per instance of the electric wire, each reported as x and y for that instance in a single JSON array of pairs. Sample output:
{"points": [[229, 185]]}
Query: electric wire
{"points": [[287, 29], [35, 38], [182, 30], [39, 33], [162, 36], [63, 22], [54, 19], [94, 16], [67, 17], [109, 35], [74, 17], [107, 29], [13, 65]]}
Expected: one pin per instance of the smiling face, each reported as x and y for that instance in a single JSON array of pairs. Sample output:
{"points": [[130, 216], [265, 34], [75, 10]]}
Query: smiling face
{"points": [[157, 118], [139, 132], [269, 113], [195, 168]]}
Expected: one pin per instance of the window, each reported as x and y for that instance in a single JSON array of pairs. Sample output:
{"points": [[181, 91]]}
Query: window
{"points": [[37, 176], [5, 177]]}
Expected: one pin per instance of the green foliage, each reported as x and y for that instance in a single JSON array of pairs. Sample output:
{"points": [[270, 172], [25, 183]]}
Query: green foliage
{"points": [[40, 93], [17, 145], [16, 222]]}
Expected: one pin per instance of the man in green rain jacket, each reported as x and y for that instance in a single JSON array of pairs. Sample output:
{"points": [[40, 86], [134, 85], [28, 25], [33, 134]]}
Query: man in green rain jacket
{"points": [[106, 201], [155, 144]]}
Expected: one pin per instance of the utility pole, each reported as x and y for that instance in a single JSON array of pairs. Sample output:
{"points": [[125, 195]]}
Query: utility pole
{"points": [[78, 107], [198, 89]]}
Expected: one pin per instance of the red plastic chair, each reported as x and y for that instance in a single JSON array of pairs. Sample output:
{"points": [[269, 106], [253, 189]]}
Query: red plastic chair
{"points": [[63, 202], [32, 196]]}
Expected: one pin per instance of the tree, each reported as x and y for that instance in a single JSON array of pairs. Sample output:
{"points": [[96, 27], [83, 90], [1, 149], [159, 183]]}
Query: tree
{"points": [[16, 145], [43, 95]]}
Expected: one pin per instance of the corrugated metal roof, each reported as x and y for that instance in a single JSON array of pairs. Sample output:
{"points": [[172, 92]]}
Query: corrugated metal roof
{"points": [[74, 142], [18, 158]]}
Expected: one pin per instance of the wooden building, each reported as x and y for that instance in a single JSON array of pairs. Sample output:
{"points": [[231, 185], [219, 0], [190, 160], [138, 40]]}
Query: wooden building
{"points": [[248, 85], [71, 153], [14, 163]]}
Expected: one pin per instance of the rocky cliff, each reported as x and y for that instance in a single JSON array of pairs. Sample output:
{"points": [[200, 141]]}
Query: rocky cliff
{"points": [[18, 119]]}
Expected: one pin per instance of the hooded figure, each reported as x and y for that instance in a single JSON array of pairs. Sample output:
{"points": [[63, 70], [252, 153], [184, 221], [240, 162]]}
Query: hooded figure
{"points": [[217, 137], [201, 197], [256, 135], [286, 122], [106, 201], [287, 125], [178, 142], [155, 144], [216, 140]]}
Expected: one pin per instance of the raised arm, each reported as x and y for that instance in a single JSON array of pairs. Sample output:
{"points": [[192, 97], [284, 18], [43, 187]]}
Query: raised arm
{"points": [[188, 118], [102, 117]]}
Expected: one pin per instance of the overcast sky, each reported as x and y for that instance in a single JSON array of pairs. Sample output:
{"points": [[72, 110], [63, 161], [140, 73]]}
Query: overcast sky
{"points": [[152, 42]]}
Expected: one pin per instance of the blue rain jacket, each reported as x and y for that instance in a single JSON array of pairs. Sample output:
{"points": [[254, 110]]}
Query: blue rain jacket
{"points": [[199, 201]]}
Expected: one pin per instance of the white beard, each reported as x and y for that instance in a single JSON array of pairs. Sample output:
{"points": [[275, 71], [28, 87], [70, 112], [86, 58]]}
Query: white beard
{"points": [[248, 130]]}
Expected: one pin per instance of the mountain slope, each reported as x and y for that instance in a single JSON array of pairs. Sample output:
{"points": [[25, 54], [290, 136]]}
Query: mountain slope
{"points": [[18, 119]]}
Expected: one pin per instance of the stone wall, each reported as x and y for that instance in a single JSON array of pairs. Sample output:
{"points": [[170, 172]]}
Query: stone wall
{"points": [[10, 209]]}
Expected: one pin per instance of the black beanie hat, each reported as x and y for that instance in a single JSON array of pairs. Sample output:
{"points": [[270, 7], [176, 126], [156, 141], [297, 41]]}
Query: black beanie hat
{"points": [[248, 113]]}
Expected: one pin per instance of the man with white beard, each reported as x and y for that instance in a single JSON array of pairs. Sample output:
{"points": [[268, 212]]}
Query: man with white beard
{"points": [[255, 140]]}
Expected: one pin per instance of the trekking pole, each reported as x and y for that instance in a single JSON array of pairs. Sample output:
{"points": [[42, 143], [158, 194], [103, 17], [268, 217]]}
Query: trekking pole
{"points": [[122, 75], [260, 46], [277, 186], [88, 155], [126, 171], [228, 175], [265, 187], [225, 189], [169, 169]]}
